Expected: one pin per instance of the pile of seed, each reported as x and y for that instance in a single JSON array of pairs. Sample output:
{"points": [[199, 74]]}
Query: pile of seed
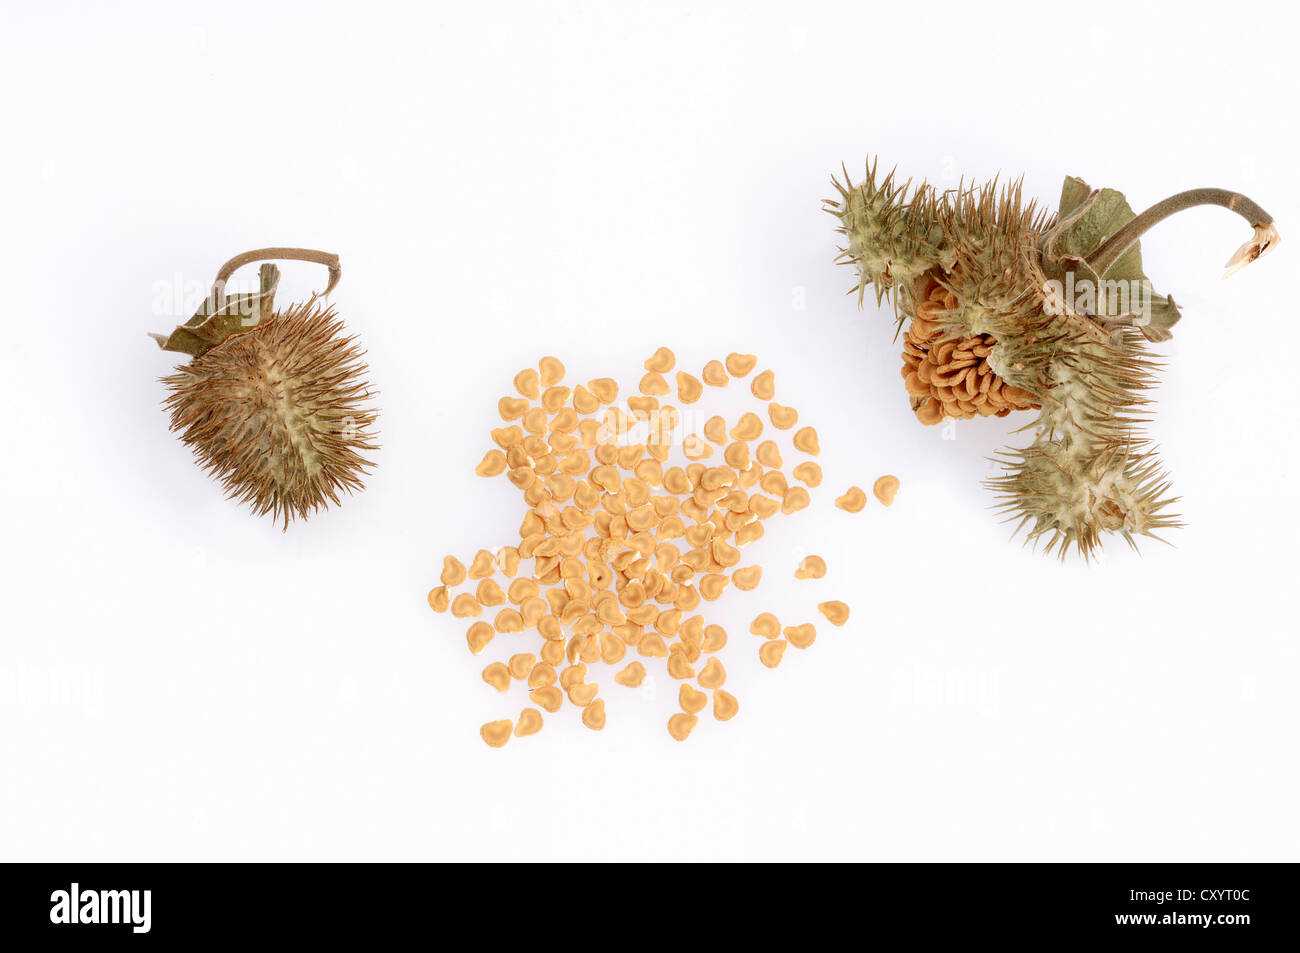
{"points": [[627, 546]]}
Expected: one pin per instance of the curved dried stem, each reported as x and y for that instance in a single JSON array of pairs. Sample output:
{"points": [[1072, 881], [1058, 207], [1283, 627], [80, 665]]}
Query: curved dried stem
{"points": [[327, 259]]}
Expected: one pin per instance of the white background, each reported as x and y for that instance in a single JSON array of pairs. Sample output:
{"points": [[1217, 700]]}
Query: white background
{"points": [[180, 680]]}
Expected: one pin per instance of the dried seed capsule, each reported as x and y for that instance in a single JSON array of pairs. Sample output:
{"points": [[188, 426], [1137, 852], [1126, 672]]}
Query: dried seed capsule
{"points": [[681, 724], [805, 439], [530, 722], [497, 675], [478, 636], [811, 567], [748, 427], [836, 612], [439, 599], [690, 699], [783, 418], [661, 361], [552, 371], [464, 606], [796, 498], [484, 565], [631, 675], [738, 365], [770, 653], [764, 385], [496, 733], [853, 501], [512, 408], [526, 382], [713, 675], [593, 715], [801, 636], [689, 388], [885, 488], [725, 705], [489, 593], [493, 464], [809, 473], [548, 697], [747, 578], [769, 454], [766, 625], [453, 571]]}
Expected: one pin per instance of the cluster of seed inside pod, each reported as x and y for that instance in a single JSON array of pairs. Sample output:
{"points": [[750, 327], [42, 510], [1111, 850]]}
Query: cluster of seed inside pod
{"points": [[626, 546]]}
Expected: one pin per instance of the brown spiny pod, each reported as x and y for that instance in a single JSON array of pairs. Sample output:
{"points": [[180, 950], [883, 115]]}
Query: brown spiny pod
{"points": [[273, 403]]}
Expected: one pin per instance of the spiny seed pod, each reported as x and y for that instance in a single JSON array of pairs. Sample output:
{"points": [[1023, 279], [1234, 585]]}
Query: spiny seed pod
{"points": [[272, 403], [1012, 308]]}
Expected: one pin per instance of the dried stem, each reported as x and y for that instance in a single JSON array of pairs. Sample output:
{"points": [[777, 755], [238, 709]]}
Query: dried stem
{"points": [[265, 254]]}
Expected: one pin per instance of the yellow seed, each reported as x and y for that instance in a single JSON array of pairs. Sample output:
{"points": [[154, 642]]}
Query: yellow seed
{"points": [[713, 675], [724, 554], [583, 693], [631, 675], [548, 696], [453, 571], [775, 483], [584, 401], [796, 498], [497, 675], [836, 612], [484, 565], [766, 625], [747, 578], [713, 585], [522, 589], [678, 667], [768, 454], [535, 423], [662, 361], [853, 501], [509, 620], [593, 716], [554, 398], [769, 653], [489, 593], [572, 675], [713, 638], [695, 448], [783, 418], [680, 725], [725, 705], [605, 389], [653, 384], [552, 651], [493, 464], [805, 439], [810, 567], [763, 507], [715, 428], [738, 365], [439, 599], [801, 636], [541, 675], [526, 382], [520, 665], [612, 648], [749, 533], [508, 559], [507, 437], [478, 636], [748, 427], [652, 645], [464, 606], [809, 473], [764, 385], [689, 388], [512, 408], [552, 371], [691, 699], [715, 374], [885, 488], [736, 455], [496, 733], [530, 722]]}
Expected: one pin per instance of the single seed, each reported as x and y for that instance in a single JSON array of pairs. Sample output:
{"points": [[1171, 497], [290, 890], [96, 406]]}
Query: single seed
{"points": [[885, 488], [715, 374], [725, 705], [695, 448], [801, 636], [654, 385], [715, 428], [439, 599], [632, 675], [526, 382], [478, 636], [783, 418], [584, 401], [535, 423], [453, 571], [809, 472], [509, 620], [593, 716], [853, 501], [493, 464], [489, 593], [678, 667], [652, 645], [464, 606], [583, 694], [749, 533], [748, 427], [522, 589], [520, 665], [713, 675], [738, 365], [736, 455], [548, 697], [810, 567], [552, 652], [507, 437], [713, 585], [713, 639], [661, 361], [775, 483], [766, 625], [530, 722], [554, 398], [763, 507], [689, 388], [497, 675], [836, 612], [552, 371], [508, 559], [764, 385], [796, 498], [769, 653], [496, 733], [747, 578], [769, 454], [541, 675], [680, 725], [805, 439], [690, 699], [484, 565], [512, 408]]}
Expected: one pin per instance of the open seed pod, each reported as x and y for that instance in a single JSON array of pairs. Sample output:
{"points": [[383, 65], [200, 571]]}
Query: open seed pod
{"points": [[1009, 307], [273, 403]]}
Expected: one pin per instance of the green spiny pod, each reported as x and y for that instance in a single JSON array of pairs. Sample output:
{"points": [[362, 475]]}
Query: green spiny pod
{"points": [[1008, 307]]}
